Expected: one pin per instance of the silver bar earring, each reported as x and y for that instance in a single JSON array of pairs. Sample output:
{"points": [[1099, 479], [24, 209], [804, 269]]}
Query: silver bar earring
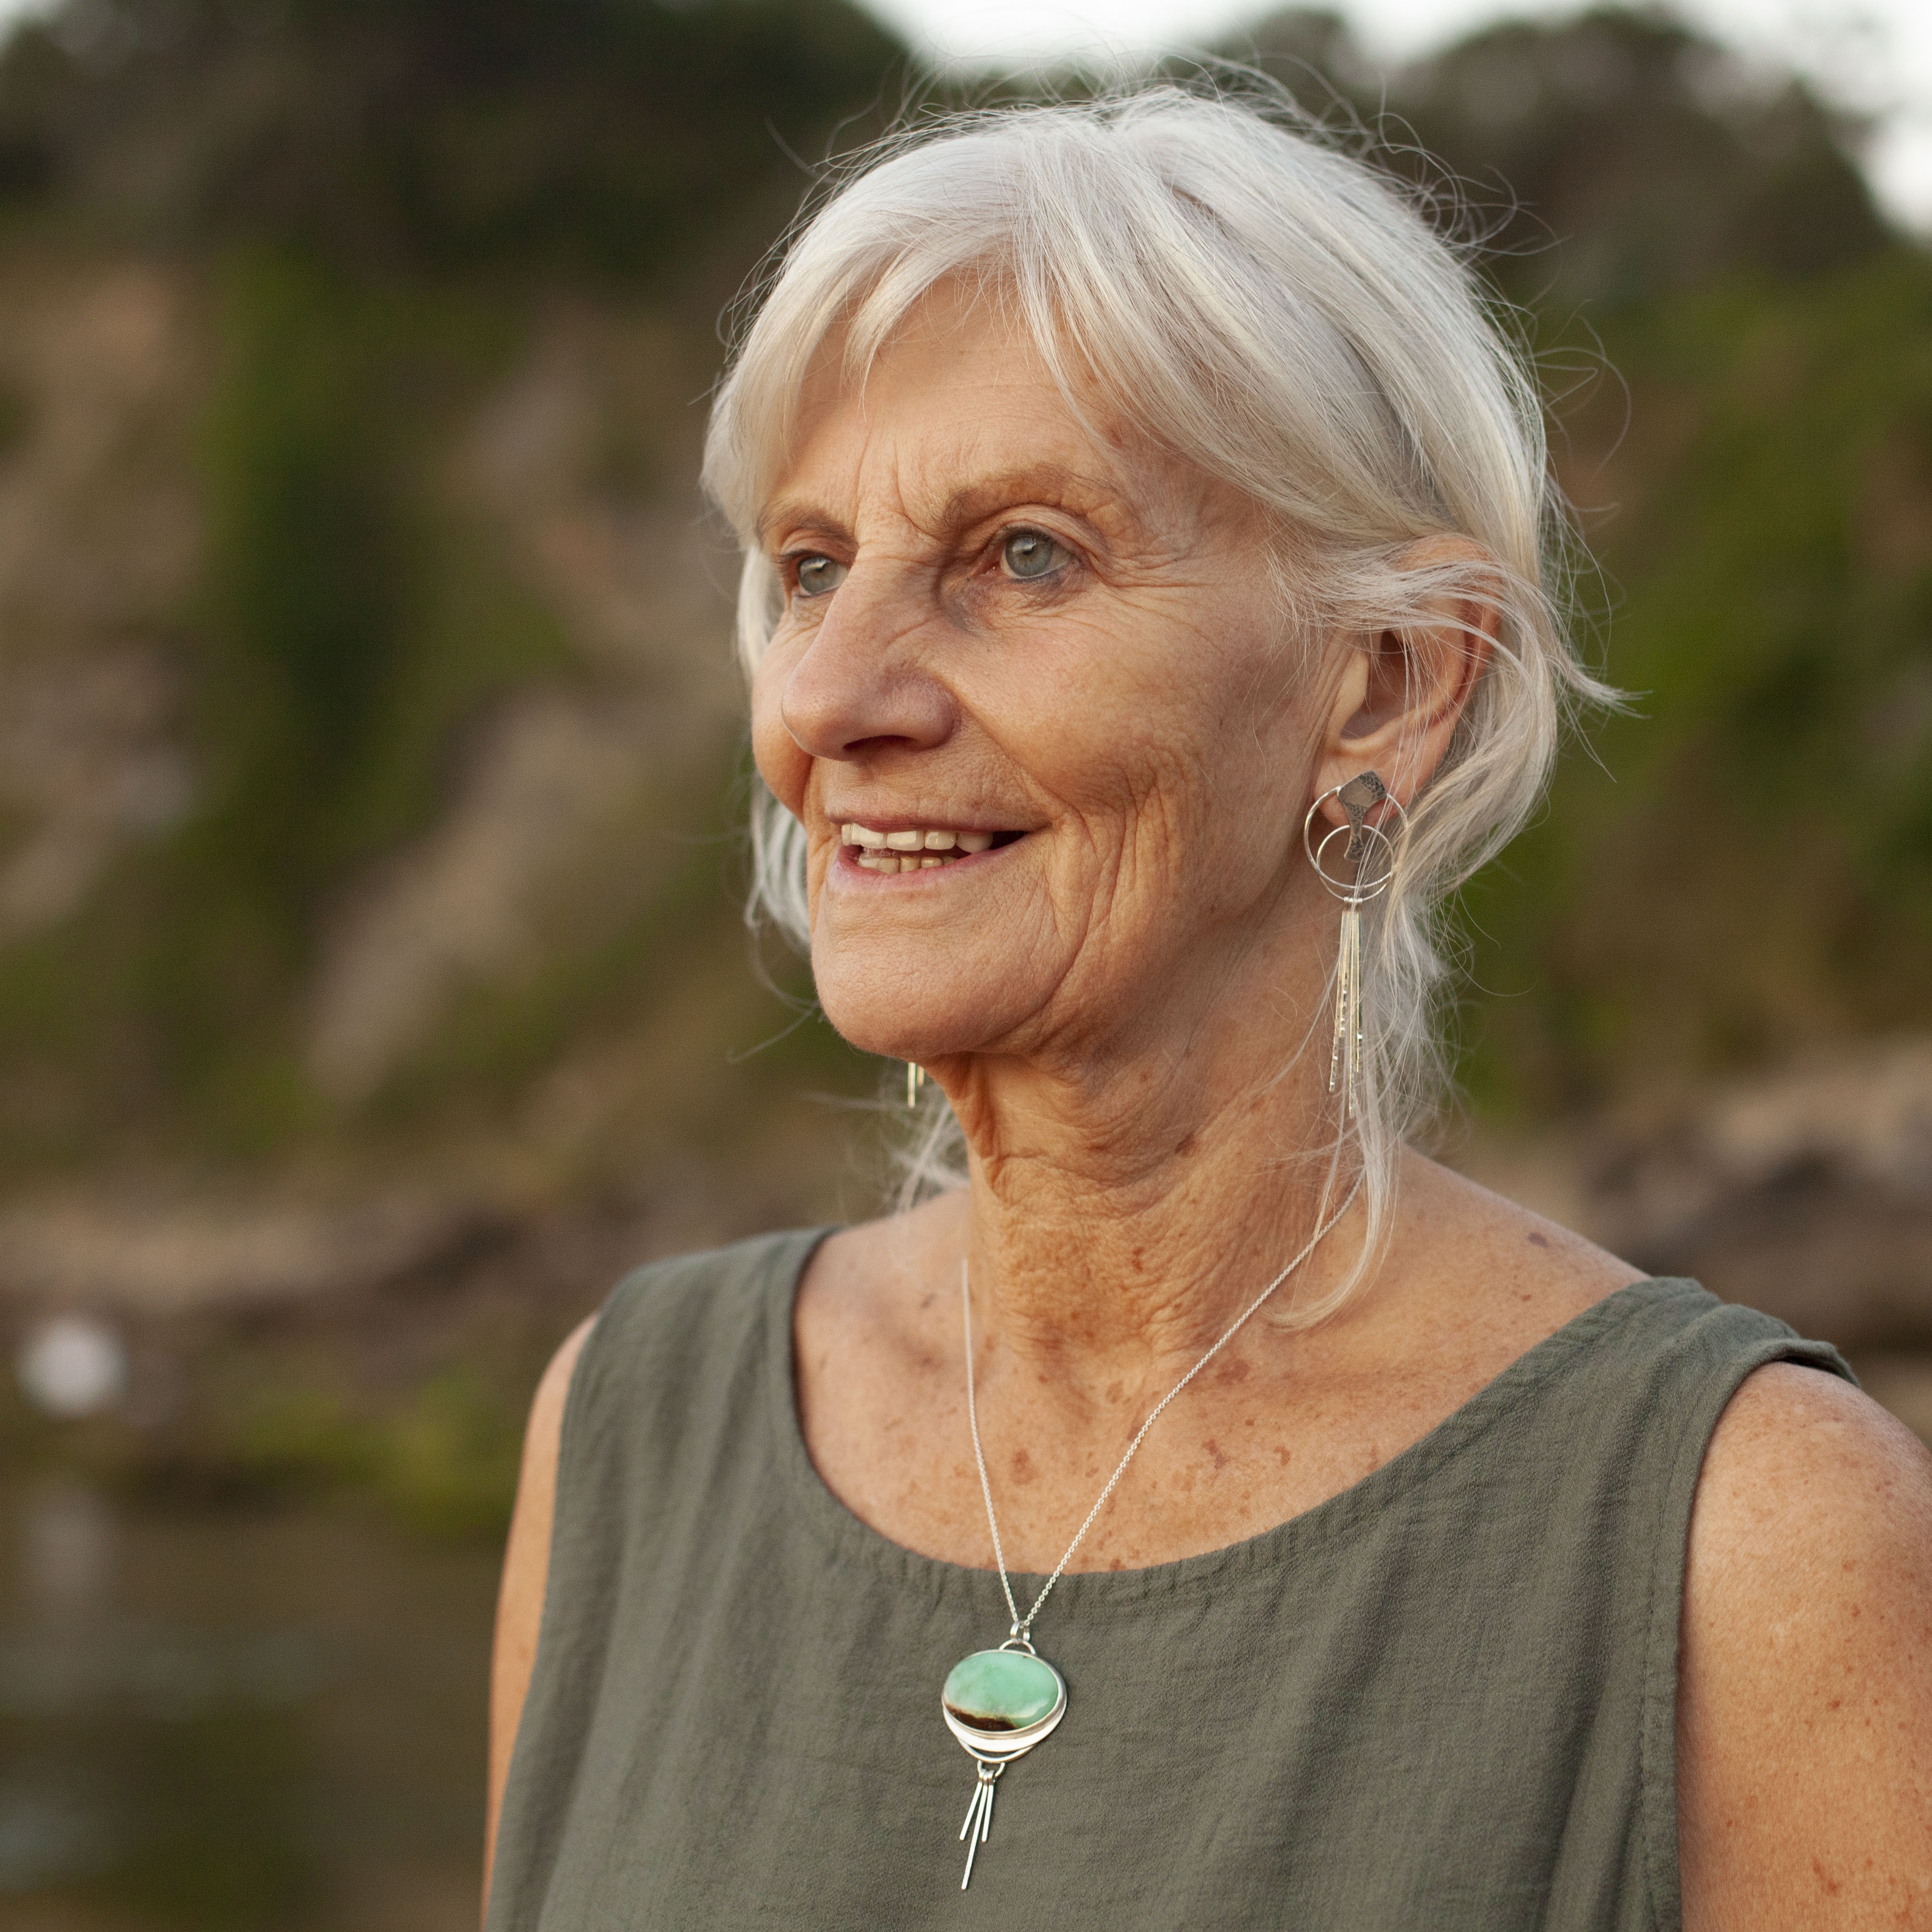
{"points": [[1364, 870]]}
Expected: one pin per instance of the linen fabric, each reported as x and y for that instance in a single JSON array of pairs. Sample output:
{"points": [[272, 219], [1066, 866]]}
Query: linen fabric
{"points": [[1444, 1699]]}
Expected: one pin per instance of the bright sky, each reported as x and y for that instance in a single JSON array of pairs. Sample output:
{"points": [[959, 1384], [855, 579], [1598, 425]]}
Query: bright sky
{"points": [[1873, 55]]}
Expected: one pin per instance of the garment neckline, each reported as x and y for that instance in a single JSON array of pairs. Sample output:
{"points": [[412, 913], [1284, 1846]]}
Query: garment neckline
{"points": [[1335, 1518]]}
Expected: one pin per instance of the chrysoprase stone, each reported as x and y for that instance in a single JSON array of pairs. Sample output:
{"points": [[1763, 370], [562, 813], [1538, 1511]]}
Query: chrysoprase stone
{"points": [[1000, 1691]]}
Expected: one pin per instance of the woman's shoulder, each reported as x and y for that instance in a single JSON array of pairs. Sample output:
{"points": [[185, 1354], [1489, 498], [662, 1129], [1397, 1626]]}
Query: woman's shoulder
{"points": [[1518, 1276], [1812, 1538], [1804, 1709], [1490, 1283]]}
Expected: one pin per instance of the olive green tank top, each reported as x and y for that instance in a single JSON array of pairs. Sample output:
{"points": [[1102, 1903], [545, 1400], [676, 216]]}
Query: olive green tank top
{"points": [[1442, 1699]]}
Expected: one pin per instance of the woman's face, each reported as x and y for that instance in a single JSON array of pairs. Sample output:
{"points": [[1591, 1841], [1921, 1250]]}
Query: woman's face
{"points": [[1052, 661]]}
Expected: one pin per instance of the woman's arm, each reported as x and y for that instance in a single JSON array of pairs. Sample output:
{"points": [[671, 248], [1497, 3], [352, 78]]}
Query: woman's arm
{"points": [[525, 1568], [1804, 1690]]}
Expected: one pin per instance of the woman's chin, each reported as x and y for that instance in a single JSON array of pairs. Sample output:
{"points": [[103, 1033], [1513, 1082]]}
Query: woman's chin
{"points": [[899, 1041], [923, 1030]]}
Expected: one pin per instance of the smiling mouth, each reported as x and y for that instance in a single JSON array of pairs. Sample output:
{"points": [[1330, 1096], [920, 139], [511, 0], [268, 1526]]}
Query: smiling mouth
{"points": [[917, 849]]}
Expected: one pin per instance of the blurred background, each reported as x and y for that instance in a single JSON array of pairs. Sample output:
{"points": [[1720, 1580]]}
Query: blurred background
{"points": [[373, 989]]}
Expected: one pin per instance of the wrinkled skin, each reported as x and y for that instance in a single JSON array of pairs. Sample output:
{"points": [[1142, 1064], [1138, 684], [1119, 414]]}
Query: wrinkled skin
{"points": [[1005, 616]]}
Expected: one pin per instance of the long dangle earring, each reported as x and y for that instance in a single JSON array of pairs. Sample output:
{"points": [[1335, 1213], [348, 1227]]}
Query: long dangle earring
{"points": [[915, 1080], [1363, 871]]}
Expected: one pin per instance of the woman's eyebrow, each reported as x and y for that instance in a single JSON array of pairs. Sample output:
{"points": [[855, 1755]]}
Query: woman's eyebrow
{"points": [[798, 521], [1046, 483], [1053, 484]]}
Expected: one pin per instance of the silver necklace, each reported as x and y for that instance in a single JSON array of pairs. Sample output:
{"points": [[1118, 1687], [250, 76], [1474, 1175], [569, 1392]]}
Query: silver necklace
{"points": [[1000, 1703]]}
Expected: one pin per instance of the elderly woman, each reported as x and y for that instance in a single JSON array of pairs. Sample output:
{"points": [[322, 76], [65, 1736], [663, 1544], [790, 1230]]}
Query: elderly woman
{"points": [[1147, 600]]}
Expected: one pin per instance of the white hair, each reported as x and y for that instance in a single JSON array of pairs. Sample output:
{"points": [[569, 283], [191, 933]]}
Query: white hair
{"points": [[1223, 276]]}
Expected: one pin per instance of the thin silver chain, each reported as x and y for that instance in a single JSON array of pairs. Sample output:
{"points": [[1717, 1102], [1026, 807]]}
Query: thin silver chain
{"points": [[1023, 1624]]}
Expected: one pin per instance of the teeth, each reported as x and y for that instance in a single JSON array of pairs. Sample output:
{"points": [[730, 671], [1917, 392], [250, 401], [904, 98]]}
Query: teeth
{"points": [[890, 861], [878, 851]]}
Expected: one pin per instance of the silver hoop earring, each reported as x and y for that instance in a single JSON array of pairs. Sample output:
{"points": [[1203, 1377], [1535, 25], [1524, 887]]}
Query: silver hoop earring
{"points": [[1365, 870]]}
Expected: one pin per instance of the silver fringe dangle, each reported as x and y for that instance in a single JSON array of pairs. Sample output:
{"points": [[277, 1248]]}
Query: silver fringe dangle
{"points": [[979, 1825], [1344, 1056], [1369, 856]]}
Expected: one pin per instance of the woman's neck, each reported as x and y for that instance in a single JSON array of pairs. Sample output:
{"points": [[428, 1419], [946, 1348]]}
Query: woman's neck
{"points": [[1117, 1224]]}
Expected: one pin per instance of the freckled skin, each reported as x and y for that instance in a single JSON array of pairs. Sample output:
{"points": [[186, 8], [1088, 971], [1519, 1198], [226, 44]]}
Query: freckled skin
{"points": [[1098, 1003], [1110, 1002], [1804, 1712]]}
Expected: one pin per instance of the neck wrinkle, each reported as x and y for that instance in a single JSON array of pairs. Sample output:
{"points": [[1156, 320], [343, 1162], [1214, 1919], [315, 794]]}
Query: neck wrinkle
{"points": [[1104, 1278]]}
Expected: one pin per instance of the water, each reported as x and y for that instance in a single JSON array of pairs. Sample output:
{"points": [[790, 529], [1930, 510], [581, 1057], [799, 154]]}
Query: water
{"points": [[228, 1719]]}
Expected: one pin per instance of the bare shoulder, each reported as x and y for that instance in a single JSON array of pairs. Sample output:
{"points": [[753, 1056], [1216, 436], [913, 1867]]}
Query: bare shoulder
{"points": [[1531, 1271], [1811, 1495], [527, 1570], [527, 1556], [1804, 1702], [543, 1436]]}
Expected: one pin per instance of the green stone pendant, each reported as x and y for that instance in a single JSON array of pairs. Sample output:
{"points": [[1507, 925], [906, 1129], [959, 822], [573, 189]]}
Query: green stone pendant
{"points": [[999, 1704]]}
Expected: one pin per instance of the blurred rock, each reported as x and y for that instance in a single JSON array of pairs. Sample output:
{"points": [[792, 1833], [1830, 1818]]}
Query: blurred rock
{"points": [[465, 902], [99, 529], [1807, 1192], [161, 1258]]}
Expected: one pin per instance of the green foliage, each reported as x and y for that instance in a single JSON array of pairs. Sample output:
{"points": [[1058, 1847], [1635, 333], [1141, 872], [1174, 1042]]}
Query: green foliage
{"points": [[1608, 159], [352, 621], [442, 1457], [1749, 864], [448, 1462], [605, 136], [1625, 157], [311, 571], [381, 196], [352, 630], [1737, 867]]}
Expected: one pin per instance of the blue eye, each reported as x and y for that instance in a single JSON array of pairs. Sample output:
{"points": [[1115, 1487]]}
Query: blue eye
{"points": [[1031, 554], [818, 576]]}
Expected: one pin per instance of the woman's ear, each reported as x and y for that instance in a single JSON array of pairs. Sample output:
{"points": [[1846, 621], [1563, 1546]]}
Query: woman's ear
{"points": [[1402, 693]]}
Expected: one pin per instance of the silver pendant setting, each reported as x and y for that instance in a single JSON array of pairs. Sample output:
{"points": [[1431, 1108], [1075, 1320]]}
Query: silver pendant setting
{"points": [[999, 1704]]}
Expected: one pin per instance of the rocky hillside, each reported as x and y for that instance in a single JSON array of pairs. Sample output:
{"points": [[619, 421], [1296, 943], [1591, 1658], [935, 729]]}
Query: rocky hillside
{"points": [[369, 752]]}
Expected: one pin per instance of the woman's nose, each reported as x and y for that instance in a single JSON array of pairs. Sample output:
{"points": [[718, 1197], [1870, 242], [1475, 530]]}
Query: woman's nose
{"points": [[861, 686]]}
